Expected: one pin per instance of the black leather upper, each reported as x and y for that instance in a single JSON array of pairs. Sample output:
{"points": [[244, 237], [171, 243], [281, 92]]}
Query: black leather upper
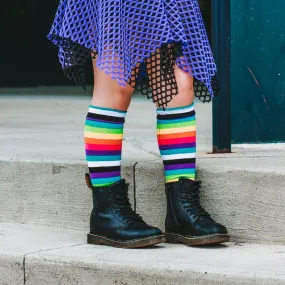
{"points": [[185, 215], [112, 215]]}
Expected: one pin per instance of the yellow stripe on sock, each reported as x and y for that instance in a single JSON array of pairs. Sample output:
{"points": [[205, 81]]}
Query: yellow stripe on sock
{"points": [[103, 136], [176, 130]]}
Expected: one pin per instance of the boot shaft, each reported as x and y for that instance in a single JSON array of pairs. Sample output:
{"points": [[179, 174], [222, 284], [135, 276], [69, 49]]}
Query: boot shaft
{"points": [[183, 206], [111, 205], [112, 215], [103, 197], [185, 215]]}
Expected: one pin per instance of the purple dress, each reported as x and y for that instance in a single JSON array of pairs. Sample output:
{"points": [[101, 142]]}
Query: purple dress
{"points": [[136, 43]]}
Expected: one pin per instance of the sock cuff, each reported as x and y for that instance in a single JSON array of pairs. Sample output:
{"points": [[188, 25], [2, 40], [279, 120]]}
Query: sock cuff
{"points": [[106, 111], [177, 110]]}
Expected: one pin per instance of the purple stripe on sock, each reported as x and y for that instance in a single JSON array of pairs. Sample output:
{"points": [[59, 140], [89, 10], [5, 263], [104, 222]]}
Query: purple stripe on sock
{"points": [[105, 174], [180, 166], [174, 146], [103, 152]]}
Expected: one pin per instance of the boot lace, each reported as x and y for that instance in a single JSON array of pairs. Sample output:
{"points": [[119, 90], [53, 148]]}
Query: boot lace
{"points": [[120, 201], [190, 196]]}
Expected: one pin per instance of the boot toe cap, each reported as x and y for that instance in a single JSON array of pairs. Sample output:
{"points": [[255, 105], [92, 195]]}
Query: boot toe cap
{"points": [[220, 229], [210, 228], [140, 233], [149, 232]]}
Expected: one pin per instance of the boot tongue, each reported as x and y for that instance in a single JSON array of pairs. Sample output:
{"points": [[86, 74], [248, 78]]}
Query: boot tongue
{"points": [[120, 196], [187, 182], [193, 188], [119, 187], [119, 184]]}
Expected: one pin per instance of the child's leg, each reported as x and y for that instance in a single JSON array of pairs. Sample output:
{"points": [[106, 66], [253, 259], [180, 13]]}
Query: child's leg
{"points": [[104, 129], [186, 220], [176, 131], [112, 221]]}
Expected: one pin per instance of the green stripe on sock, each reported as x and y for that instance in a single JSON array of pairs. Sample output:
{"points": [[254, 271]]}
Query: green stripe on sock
{"points": [[176, 125], [172, 177], [103, 130]]}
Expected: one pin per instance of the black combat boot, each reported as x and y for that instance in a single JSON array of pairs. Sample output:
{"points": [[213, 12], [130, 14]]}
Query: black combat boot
{"points": [[186, 220], [113, 222]]}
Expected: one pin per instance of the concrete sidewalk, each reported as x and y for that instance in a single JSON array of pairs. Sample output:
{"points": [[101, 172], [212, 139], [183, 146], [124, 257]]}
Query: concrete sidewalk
{"points": [[50, 128]]}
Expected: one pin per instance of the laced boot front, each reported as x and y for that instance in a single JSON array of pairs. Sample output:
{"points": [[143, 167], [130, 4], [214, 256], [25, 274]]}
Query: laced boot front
{"points": [[113, 221], [186, 219]]}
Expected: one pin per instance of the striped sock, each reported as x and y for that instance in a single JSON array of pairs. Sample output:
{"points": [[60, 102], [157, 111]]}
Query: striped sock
{"points": [[103, 135], [176, 135]]}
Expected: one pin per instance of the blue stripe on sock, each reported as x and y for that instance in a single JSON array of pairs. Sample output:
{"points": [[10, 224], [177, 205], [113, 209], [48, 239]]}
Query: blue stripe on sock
{"points": [[180, 172], [103, 158], [178, 151], [103, 125], [174, 121], [98, 181]]}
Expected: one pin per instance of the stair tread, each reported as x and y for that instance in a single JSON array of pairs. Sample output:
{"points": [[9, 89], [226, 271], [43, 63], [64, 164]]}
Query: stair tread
{"points": [[57, 249]]}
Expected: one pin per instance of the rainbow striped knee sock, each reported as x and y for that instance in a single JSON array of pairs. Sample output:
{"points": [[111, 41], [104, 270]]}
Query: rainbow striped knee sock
{"points": [[103, 135], [176, 135]]}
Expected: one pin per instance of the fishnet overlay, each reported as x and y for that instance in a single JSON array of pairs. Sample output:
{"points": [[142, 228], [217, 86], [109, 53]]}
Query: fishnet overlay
{"points": [[136, 43]]}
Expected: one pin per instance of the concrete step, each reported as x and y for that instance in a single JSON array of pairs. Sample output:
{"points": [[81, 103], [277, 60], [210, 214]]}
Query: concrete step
{"points": [[19, 240], [33, 255], [42, 168], [239, 191]]}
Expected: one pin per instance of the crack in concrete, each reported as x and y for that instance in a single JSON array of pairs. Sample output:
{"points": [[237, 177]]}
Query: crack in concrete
{"points": [[134, 186], [140, 147], [24, 268], [43, 250], [59, 226]]}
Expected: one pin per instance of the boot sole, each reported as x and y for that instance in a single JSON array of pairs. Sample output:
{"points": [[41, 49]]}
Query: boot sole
{"points": [[193, 241], [137, 243]]}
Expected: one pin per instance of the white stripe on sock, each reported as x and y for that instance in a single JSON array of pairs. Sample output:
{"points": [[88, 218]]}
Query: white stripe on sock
{"points": [[103, 163], [106, 112], [178, 156], [177, 111]]}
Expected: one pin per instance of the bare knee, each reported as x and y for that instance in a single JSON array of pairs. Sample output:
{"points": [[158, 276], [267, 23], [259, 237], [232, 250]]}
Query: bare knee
{"points": [[186, 89], [185, 86], [112, 97], [109, 93]]}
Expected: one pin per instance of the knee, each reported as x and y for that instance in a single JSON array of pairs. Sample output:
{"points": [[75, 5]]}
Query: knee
{"points": [[123, 92], [184, 81], [112, 96], [185, 89]]}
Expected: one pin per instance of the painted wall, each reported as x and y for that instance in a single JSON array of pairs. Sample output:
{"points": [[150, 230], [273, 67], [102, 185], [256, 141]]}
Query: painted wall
{"points": [[27, 58], [258, 70]]}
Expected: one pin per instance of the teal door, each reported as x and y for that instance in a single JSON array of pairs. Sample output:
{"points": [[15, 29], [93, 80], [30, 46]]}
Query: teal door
{"points": [[258, 70]]}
